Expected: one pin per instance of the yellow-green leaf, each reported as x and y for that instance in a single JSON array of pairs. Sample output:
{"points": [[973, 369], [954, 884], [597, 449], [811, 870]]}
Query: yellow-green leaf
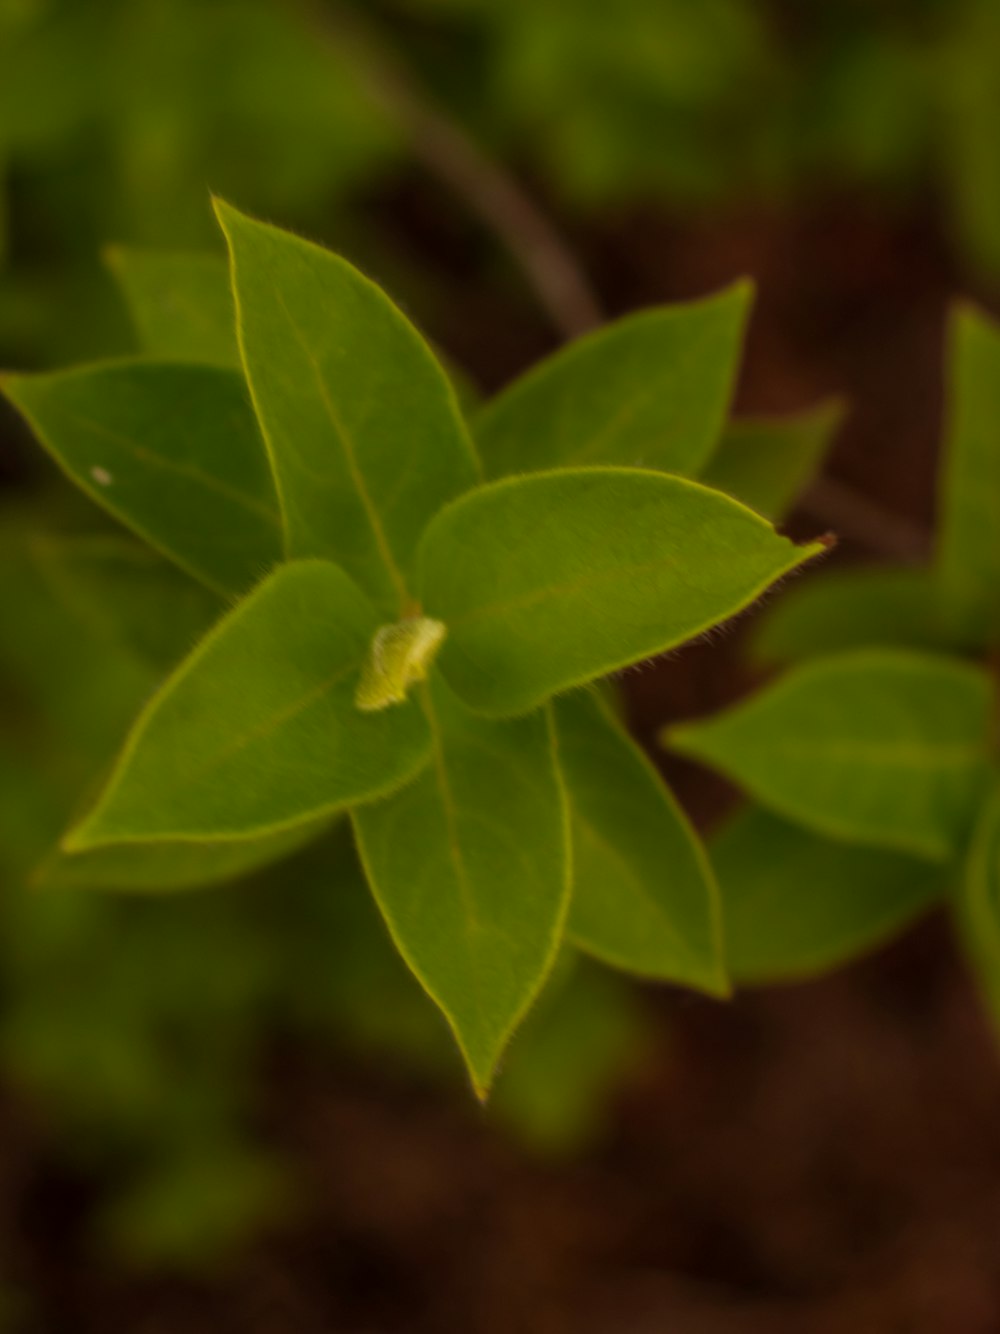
{"points": [[156, 867], [362, 424], [864, 607], [470, 865], [767, 462], [172, 451], [124, 593], [550, 580], [180, 302], [257, 730], [651, 390], [881, 747], [644, 896], [795, 904]]}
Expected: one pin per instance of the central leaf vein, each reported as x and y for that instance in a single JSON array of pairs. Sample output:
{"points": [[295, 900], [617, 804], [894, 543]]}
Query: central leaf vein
{"points": [[276, 720], [346, 442]]}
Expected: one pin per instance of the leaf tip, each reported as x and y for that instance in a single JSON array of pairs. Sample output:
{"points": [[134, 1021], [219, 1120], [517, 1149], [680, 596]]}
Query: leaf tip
{"points": [[831, 411], [74, 842], [225, 213], [482, 1074], [964, 308], [481, 1089], [84, 836], [719, 986], [744, 289], [816, 549], [678, 736]]}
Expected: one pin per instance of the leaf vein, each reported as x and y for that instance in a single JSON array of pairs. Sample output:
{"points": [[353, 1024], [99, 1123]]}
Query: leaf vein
{"points": [[350, 456], [188, 470]]}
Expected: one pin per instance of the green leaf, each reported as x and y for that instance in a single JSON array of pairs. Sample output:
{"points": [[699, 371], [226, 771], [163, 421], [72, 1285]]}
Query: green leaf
{"points": [[879, 746], [124, 593], [864, 607], [978, 902], [257, 730], [180, 303], [767, 462], [71, 680], [651, 390], [547, 581], [138, 867], [362, 425], [644, 897], [795, 904], [470, 866], [172, 451], [969, 550]]}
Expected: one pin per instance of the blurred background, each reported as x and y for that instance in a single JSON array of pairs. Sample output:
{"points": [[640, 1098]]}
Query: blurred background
{"points": [[232, 1110]]}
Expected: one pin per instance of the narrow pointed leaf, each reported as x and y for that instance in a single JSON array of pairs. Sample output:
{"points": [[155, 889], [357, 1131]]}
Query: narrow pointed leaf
{"points": [[124, 593], [978, 902], [865, 607], [257, 730], [882, 747], [969, 551], [181, 304], [550, 580], [362, 424], [172, 451], [470, 866], [644, 896], [795, 904], [768, 462], [157, 867], [651, 390]]}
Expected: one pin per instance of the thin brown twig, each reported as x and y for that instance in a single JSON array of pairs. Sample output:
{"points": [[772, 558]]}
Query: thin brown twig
{"points": [[489, 191]]}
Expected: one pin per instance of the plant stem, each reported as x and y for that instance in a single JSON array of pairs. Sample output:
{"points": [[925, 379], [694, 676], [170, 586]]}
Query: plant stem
{"points": [[489, 191]]}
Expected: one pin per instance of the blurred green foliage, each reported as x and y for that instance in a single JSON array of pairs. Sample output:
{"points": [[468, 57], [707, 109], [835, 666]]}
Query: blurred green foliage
{"points": [[728, 100], [135, 1024], [118, 116]]}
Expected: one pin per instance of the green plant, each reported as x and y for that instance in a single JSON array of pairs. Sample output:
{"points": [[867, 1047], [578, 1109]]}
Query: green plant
{"points": [[116, 115], [408, 611], [873, 762]]}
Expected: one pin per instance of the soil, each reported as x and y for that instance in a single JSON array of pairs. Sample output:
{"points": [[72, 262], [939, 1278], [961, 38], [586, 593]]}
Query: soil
{"points": [[817, 1159]]}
